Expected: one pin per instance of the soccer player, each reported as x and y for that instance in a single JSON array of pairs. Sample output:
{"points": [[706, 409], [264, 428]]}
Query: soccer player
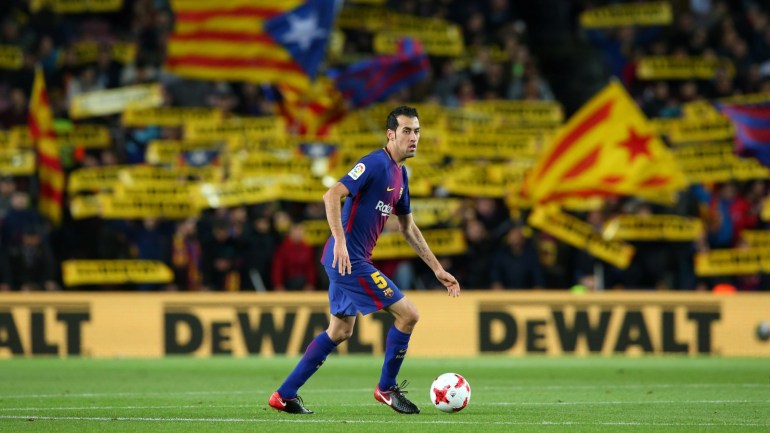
{"points": [[376, 186]]}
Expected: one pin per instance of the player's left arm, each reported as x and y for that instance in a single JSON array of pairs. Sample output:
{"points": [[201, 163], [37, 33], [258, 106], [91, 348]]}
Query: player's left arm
{"points": [[417, 241]]}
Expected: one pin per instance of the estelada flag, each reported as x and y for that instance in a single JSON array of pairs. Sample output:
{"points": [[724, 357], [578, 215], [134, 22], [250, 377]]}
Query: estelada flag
{"points": [[607, 148], [49, 169], [311, 112], [264, 41]]}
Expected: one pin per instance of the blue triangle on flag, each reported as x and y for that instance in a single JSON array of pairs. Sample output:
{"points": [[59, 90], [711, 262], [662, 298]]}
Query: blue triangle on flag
{"points": [[304, 32]]}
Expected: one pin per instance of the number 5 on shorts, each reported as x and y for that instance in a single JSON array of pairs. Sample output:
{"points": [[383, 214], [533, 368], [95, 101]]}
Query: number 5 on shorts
{"points": [[379, 280]]}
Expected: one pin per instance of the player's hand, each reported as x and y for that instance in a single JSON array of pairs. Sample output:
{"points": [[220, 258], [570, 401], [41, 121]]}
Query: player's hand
{"points": [[450, 282], [341, 259]]}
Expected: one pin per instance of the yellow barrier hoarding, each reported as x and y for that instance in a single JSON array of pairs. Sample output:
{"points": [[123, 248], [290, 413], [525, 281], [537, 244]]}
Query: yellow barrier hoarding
{"points": [[508, 323]]}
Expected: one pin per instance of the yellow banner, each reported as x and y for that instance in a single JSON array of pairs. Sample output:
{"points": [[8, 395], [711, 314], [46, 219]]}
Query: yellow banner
{"points": [[237, 192], [446, 41], [720, 168], [169, 152], [18, 136], [374, 19], [80, 272], [264, 163], [11, 57], [521, 112], [244, 127], [429, 212], [141, 174], [581, 235], [76, 6], [476, 185], [94, 178], [744, 261], [17, 162], [113, 101], [171, 116], [699, 130], [308, 190], [756, 238], [682, 68], [158, 190], [700, 110], [629, 14], [490, 145], [86, 136], [316, 232], [652, 228], [443, 242], [138, 207], [88, 52], [86, 206], [751, 98]]}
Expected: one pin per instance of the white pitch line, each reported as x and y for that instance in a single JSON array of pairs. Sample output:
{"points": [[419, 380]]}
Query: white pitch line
{"points": [[502, 403], [352, 390], [349, 421]]}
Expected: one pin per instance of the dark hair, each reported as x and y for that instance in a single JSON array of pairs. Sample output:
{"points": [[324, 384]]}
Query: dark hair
{"points": [[392, 122]]}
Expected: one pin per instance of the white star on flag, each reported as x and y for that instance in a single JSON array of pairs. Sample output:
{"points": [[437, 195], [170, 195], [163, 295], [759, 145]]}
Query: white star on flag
{"points": [[303, 31]]}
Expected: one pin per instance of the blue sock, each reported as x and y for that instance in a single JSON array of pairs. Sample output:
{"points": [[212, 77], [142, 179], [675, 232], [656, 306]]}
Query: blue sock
{"points": [[395, 351], [311, 361]]}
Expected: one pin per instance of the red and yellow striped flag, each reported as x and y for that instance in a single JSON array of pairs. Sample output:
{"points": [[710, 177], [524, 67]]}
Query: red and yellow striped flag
{"points": [[312, 112], [227, 40], [49, 171], [607, 148]]}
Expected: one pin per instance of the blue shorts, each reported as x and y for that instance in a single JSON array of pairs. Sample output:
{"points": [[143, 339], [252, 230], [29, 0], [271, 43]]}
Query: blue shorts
{"points": [[366, 290]]}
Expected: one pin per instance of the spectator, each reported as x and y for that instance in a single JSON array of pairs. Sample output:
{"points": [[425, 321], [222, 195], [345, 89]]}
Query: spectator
{"points": [[18, 216], [294, 263], [17, 112], [30, 265], [474, 265], [515, 264], [186, 257], [220, 260], [261, 248]]}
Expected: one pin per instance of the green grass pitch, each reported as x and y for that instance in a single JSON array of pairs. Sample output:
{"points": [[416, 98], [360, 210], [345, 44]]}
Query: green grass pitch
{"points": [[510, 394]]}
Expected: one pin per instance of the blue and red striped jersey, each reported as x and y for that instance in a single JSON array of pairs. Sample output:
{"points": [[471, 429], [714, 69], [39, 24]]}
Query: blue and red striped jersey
{"points": [[378, 187]]}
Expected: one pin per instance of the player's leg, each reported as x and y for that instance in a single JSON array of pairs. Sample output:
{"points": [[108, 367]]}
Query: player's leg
{"points": [[397, 341], [285, 398], [341, 324], [388, 391]]}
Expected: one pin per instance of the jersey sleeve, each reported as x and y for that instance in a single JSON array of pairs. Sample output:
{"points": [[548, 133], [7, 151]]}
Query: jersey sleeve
{"points": [[404, 205], [360, 175]]}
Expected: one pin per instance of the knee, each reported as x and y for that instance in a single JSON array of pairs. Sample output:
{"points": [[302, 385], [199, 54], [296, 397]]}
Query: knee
{"points": [[338, 335], [410, 318]]}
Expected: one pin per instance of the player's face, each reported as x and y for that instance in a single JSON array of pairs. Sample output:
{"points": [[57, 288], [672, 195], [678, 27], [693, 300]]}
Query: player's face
{"points": [[406, 137]]}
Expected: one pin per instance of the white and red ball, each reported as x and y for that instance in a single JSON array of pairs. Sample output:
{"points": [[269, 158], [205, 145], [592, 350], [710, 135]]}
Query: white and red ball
{"points": [[450, 392]]}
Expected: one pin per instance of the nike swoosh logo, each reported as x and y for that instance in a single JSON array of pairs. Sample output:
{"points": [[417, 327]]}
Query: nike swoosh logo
{"points": [[387, 399], [283, 403], [389, 189]]}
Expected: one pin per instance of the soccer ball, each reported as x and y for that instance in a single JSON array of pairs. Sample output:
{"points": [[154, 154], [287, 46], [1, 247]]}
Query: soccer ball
{"points": [[450, 392]]}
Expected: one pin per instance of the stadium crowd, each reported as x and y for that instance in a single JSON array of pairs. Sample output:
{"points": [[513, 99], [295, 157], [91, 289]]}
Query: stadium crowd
{"points": [[261, 247]]}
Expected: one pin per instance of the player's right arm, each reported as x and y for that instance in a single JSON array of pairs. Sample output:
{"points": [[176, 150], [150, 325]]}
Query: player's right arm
{"points": [[333, 203]]}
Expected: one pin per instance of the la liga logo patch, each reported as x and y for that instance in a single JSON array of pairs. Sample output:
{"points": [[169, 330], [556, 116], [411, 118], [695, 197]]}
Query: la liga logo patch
{"points": [[357, 171]]}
